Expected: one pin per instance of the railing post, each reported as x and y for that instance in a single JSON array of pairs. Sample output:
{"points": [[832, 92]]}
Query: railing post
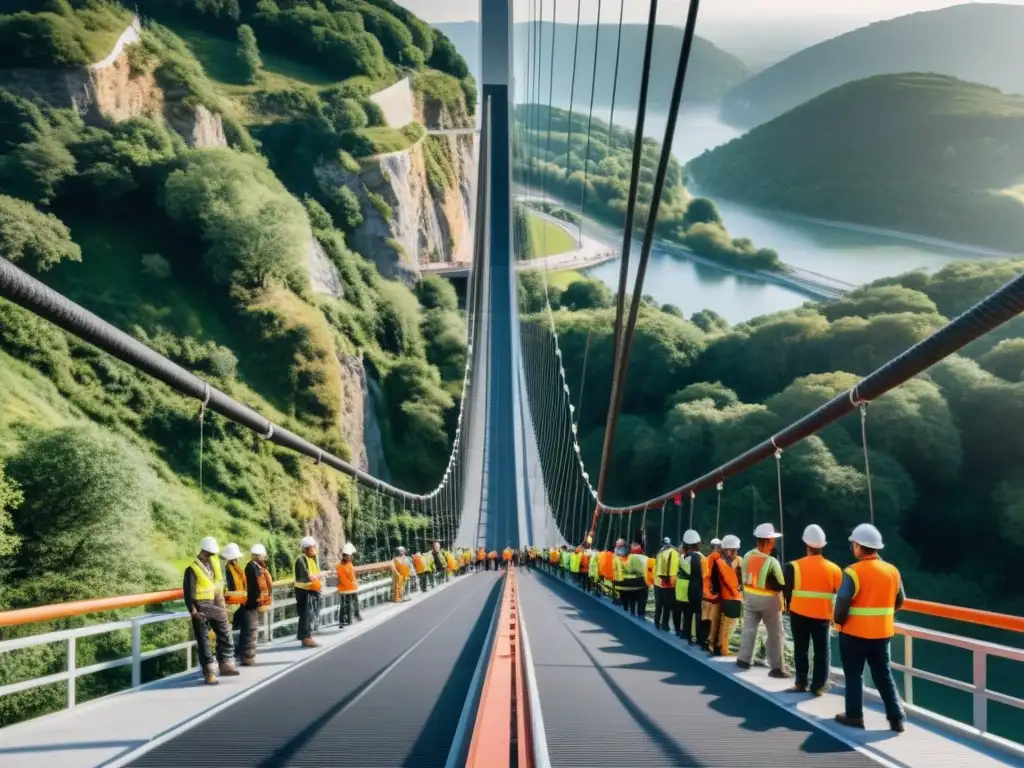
{"points": [[72, 665], [908, 662], [136, 653], [981, 690]]}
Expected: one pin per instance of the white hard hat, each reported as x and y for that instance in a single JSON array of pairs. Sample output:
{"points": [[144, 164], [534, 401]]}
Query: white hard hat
{"points": [[814, 536], [867, 535], [307, 542], [348, 549], [716, 542], [401, 549], [259, 550], [731, 542], [209, 544], [766, 531], [691, 537], [666, 540], [231, 552]]}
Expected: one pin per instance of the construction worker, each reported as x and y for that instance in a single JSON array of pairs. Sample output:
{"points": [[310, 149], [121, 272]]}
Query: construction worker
{"points": [[440, 568], [711, 605], [420, 567], [307, 591], [204, 600], [716, 545], [259, 596], [666, 566], [235, 593], [506, 557], [688, 587], [430, 567], [869, 596], [810, 590], [593, 572], [583, 577], [348, 586], [481, 558], [492, 560], [638, 571], [763, 583], [725, 579], [399, 574]]}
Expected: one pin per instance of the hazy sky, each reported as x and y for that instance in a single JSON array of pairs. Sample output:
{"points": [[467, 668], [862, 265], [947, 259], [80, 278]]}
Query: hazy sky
{"points": [[674, 11]]}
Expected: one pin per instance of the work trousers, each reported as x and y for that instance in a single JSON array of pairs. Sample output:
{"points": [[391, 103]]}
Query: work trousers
{"points": [[307, 604], [664, 602], [809, 632], [397, 587], [683, 613], [249, 626], [766, 608], [855, 653], [423, 582], [215, 617], [349, 609]]}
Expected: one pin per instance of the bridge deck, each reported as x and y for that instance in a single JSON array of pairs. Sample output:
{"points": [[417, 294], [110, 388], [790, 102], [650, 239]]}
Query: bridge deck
{"points": [[615, 691]]}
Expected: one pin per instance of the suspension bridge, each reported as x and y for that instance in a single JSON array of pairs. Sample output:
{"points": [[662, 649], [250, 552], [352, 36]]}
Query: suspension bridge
{"points": [[519, 666]]}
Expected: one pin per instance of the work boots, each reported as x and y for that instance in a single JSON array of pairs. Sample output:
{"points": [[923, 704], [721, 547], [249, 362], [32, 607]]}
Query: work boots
{"points": [[209, 677], [227, 669], [309, 642]]}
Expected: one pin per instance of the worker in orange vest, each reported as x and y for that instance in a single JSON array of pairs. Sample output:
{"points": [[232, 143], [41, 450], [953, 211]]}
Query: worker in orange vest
{"points": [[348, 586], [725, 581], [810, 590], [420, 566], [763, 582], [584, 571], [481, 558], [492, 560], [869, 596], [711, 604], [506, 557], [235, 592]]}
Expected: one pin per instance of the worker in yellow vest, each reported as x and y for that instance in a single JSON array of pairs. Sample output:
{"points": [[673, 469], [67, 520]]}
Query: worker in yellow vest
{"points": [[689, 587], [440, 567], [399, 575], [810, 591], [666, 566], [258, 586], [869, 596], [763, 583], [574, 564], [308, 586], [430, 566], [203, 591], [593, 572]]}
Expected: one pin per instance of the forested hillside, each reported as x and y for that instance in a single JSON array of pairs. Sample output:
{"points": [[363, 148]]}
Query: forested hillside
{"points": [[925, 154], [946, 449], [174, 192], [945, 41]]}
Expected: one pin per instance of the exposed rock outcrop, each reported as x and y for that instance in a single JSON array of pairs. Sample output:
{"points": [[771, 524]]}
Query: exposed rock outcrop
{"points": [[397, 103], [438, 116], [327, 527], [426, 223], [323, 275]]}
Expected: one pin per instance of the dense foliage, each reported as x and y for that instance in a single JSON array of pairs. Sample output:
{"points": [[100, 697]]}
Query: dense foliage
{"points": [[926, 154], [555, 153], [930, 41], [945, 448]]}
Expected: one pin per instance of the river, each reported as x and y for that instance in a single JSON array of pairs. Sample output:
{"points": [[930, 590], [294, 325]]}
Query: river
{"points": [[844, 252]]}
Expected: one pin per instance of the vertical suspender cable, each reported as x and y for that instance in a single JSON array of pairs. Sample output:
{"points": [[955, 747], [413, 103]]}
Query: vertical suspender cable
{"points": [[590, 122]]}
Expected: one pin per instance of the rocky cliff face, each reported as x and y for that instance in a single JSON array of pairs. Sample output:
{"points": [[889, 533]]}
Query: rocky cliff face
{"points": [[112, 91], [427, 223]]}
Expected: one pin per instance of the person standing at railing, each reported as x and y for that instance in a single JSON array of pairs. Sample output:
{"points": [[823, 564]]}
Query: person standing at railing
{"points": [[307, 591], [203, 591], [481, 558], [763, 582], [420, 567], [689, 582], [259, 596], [399, 575], [440, 563], [429, 567], [666, 567], [725, 577], [234, 583], [810, 591], [348, 586], [869, 596]]}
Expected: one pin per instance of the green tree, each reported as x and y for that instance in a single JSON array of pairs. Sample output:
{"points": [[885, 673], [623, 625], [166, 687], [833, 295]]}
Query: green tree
{"points": [[587, 294], [1005, 360], [11, 498], [248, 53], [437, 293], [34, 239], [35, 170]]}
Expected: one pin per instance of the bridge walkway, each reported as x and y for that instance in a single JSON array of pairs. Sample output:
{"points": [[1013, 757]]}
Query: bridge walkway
{"points": [[614, 691]]}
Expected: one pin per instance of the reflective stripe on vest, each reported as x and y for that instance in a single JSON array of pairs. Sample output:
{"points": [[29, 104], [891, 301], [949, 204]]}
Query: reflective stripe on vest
{"points": [[872, 610], [756, 567], [240, 593], [206, 587], [815, 583], [666, 564], [685, 571], [312, 570]]}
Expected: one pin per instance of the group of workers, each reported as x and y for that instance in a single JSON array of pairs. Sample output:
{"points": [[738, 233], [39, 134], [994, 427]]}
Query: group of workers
{"points": [[705, 595]]}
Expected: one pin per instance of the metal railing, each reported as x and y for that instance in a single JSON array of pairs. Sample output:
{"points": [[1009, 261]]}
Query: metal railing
{"points": [[372, 590]]}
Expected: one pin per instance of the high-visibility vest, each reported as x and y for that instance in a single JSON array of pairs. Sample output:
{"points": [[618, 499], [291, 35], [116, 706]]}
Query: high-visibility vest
{"points": [[574, 562], [266, 583], [237, 593], [206, 588], [594, 568], [313, 569], [727, 578], [815, 583], [451, 562], [401, 566], [429, 562], [872, 611], [665, 566], [756, 567], [620, 567], [553, 556], [417, 563], [347, 583], [584, 562], [606, 565], [638, 565], [685, 574], [481, 554], [492, 555], [709, 565]]}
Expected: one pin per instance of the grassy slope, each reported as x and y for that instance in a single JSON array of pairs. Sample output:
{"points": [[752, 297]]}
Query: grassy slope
{"points": [[921, 153], [548, 238], [100, 29]]}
